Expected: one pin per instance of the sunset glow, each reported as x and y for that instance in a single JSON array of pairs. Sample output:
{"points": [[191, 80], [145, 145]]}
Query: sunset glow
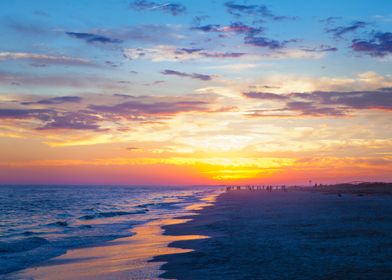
{"points": [[195, 92]]}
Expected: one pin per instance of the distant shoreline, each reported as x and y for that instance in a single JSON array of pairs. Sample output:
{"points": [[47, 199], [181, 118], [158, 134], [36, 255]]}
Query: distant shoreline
{"points": [[353, 188], [365, 188]]}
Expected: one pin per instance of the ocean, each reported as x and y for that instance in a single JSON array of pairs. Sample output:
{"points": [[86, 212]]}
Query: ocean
{"points": [[40, 222]]}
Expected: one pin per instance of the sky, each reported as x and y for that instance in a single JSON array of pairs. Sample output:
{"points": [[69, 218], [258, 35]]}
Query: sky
{"points": [[195, 92]]}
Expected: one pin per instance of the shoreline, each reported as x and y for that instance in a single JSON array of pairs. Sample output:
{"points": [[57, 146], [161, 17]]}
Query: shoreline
{"points": [[121, 258], [285, 235]]}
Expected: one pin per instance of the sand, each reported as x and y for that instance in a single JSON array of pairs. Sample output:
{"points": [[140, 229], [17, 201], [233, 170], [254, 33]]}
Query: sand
{"points": [[252, 235], [286, 235]]}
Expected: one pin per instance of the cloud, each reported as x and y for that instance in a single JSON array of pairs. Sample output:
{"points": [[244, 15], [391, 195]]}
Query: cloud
{"points": [[330, 20], [264, 42], [237, 67], [196, 76], [221, 54], [311, 109], [280, 50], [241, 28], [208, 28], [172, 53], [73, 121], [252, 10], [123, 95], [135, 109], [371, 99], [379, 45], [147, 33], [44, 58], [235, 27], [174, 9], [56, 100], [93, 38], [53, 119], [101, 112], [265, 95], [320, 49], [160, 53], [154, 83], [56, 80], [339, 31], [299, 83], [325, 103], [238, 9], [41, 114], [252, 36]]}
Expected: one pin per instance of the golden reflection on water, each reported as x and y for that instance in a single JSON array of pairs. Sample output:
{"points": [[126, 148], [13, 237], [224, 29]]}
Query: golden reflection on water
{"points": [[206, 201]]}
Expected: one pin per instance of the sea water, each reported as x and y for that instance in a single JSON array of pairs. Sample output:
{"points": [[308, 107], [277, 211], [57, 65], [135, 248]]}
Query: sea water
{"points": [[41, 222]]}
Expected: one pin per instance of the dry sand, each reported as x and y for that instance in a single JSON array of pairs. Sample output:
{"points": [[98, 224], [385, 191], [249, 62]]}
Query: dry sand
{"points": [[286, 235]]}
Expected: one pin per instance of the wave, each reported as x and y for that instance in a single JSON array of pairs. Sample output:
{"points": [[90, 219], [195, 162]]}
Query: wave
{"points": [[111, 214], [59, 224], [160, 205], [75, 217], [26, 244]]}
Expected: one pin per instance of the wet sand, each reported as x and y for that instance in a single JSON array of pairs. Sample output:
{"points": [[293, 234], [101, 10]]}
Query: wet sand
{"points": [[285, 235]]}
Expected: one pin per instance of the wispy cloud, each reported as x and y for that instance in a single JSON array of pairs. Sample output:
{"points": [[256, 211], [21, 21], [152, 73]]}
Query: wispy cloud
{"points": [[238, 67], [93, 38], [195, 76], [174, 9], [320, 49], [339, 31], [260, 11], [173, 53], [265, 95], [45, 58], [235, 27], [55, 100]]}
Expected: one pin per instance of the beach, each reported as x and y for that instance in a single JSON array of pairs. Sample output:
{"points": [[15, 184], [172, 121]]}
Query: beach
{"points": [[285, 235], [291, 233]]}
